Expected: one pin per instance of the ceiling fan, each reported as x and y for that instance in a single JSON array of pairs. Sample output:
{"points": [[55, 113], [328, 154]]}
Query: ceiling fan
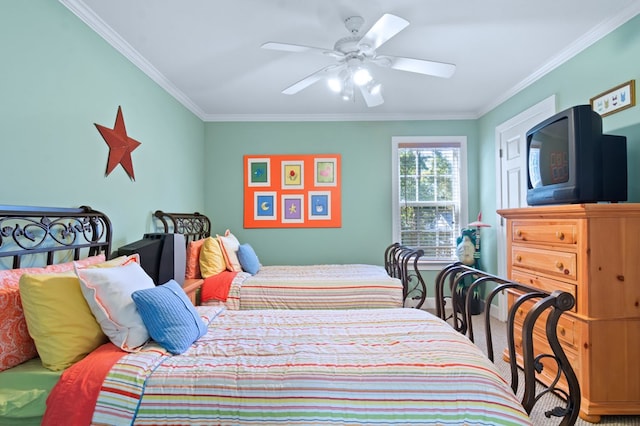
{"points": [[354, 54]]}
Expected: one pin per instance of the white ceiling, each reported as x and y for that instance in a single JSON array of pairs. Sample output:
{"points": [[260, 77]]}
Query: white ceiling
{"points": [[207, 53]]}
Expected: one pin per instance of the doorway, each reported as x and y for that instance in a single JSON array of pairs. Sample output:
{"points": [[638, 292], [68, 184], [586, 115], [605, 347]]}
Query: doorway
{"points": [[511, 173]]}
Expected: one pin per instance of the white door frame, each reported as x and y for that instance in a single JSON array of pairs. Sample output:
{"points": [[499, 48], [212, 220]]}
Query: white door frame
{"points": [[539, 112]]}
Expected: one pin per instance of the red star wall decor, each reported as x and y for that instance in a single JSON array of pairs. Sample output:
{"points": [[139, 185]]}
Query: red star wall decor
{"points": [[120, 145]]}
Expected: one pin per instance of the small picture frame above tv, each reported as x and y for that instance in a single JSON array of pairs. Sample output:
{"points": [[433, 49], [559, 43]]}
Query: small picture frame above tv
{"points": [[616, 99]]}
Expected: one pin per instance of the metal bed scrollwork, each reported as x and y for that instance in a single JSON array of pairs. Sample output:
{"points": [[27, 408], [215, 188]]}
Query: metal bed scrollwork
{"points": [[50, 232], [553, 305], [194, 226], [402, 262]]}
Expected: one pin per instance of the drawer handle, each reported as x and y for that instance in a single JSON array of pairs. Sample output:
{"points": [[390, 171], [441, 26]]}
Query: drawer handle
{"points": [[519, 258], [562, 331], [560, 235], [559, 265], [519, 233]]}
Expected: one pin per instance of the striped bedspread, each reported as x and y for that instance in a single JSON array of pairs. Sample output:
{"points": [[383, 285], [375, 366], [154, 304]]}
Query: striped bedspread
{"points": [[351, 286], [379, 366]]}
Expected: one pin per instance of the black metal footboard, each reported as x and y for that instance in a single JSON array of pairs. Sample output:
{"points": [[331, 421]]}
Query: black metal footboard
{"points": [[458, 283], [402, 262]]}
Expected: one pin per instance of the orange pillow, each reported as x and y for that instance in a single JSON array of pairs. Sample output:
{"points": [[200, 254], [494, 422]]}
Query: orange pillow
{"points": [[68, 266], [193, 259], [17, 345]]}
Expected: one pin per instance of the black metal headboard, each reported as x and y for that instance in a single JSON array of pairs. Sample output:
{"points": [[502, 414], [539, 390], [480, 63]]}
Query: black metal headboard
{"points": [[52, 233], [194, 226]]}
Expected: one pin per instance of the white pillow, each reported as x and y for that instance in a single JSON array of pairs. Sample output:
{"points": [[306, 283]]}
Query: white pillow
{"points": [[108, 293], [230, 244]]}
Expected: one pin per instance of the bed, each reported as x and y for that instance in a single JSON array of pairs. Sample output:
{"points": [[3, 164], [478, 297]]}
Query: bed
{"points": [[236, 278], [366, 366]]}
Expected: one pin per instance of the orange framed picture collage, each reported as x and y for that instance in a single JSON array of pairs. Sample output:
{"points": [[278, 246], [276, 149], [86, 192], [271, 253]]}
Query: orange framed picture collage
{"points": [[292, 191]]}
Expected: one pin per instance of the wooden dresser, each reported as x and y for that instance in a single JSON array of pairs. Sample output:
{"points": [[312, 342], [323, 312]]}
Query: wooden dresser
{"points": [[593, 252]]}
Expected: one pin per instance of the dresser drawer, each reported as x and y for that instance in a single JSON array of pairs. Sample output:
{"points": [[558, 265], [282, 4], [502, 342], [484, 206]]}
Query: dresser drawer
{"points": [[545, 232], [567, 325], [540, 345], [546, 284], [557, 263]]}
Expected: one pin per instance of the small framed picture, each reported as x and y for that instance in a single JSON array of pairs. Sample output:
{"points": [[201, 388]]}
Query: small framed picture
{"points": [[325, 172], [319, 205], [615, 99], [292, 174], [264, 206], [292, 208], [259, 170]]}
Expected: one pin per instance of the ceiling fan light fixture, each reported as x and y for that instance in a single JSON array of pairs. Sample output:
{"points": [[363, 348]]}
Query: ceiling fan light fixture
{"points": [[335, 84], [362, 76], [354, 55], [347, 91]]}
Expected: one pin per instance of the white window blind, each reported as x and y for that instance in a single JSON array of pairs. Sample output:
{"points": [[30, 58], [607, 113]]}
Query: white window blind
{"points": [[429, 186]]}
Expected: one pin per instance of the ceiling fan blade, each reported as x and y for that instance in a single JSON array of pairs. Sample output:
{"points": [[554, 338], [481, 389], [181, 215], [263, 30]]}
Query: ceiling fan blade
{"points": [[297, 48], [420, 66], [309, 80], [372, 99], [386, 27]]}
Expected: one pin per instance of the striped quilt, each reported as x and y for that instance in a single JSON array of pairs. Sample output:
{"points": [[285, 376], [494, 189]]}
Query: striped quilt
{"points": [[352, 286], [379, 366]]}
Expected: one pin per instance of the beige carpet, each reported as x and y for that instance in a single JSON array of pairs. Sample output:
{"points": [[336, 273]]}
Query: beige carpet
{"points": [[498, 331]]}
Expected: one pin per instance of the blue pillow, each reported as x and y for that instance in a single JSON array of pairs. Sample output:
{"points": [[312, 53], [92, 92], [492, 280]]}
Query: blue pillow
{"points": [[169, 315], [248, 259]]}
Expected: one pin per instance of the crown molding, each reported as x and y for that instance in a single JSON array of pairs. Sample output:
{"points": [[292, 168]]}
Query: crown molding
{"points": [[82, 11], [596, 33], [86, 15], [336, 117]]}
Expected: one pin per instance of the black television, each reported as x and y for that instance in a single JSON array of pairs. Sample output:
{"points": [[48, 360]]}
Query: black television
{"points": [[162, 256], [570, 160]]}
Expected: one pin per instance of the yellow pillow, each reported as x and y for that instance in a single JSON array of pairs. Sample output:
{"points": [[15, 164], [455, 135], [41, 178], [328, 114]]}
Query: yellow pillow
{"points": [[59, 319], [211, 258], [117, 261]]}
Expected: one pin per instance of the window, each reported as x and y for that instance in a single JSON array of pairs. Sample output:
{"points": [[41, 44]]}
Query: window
{"points": [[429, 185]]}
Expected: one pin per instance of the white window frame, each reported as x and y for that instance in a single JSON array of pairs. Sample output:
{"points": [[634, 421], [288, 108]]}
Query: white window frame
{"points": [[461, 141]]}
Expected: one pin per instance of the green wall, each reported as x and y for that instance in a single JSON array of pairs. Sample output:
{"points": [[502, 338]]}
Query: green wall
{"points": [[58, 78], [612, 60], [365, 148]]}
